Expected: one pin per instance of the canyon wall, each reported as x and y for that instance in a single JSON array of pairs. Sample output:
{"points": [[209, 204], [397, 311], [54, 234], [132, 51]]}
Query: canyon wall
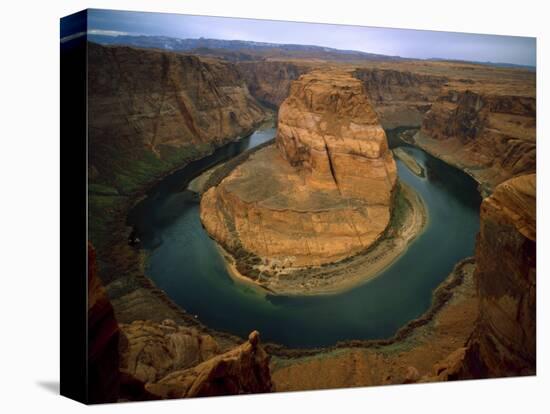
{"points": [[490, 136], [323, 193], [400, 97], [151, 109], [504, 339], [269, 81], [479, 118]]}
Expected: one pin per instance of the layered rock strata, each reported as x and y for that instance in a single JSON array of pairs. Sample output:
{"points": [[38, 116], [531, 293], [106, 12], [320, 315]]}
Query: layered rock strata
{"points": [[147, 104], [400, 97], [505, 337], [269, 81], [484, 123], [323, 193], [491, 136], [504, 340]]}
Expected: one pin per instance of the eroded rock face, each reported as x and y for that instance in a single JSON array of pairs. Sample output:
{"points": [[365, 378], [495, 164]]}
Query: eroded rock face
{"points": [[328, 129], [165, 360], [242, 370], [323, 193], [504, 340], [269, 81], [152, 350], [491, 136], [506, 276], [145, 104]]}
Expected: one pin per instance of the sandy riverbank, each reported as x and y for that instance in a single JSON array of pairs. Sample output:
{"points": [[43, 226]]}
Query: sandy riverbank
{"points": [[198, 184], [445, 151], [410, 162], [409, 219]]}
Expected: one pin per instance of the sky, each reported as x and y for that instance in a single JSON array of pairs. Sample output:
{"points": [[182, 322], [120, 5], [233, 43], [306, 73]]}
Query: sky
{"points": [[421, 44]]}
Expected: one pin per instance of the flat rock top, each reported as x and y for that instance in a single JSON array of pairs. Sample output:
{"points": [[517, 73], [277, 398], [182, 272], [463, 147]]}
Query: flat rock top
{"points": [[332, 93], [269, 180]]}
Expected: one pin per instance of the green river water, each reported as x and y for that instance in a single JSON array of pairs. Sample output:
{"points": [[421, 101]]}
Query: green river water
{"points": [[184, 262]]}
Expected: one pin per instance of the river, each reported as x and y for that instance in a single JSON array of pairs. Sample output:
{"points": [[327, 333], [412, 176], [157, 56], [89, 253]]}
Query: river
{"points": [[184, 262]]}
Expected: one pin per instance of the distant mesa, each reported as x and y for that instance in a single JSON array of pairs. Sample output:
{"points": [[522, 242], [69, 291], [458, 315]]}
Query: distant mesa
{"points": [[322, 193]]}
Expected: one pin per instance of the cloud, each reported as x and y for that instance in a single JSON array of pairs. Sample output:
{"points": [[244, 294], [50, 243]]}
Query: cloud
{"points": [[109, 32], [72, 36]]}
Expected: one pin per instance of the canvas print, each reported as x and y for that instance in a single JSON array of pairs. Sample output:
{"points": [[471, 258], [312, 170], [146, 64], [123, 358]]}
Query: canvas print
{"points": [[283, 206]]}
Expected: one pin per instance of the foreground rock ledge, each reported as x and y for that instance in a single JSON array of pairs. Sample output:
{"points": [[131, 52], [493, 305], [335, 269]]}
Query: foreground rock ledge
{"points": [[322, 194]]}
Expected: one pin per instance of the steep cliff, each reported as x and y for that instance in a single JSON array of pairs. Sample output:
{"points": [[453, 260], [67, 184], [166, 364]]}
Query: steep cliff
{"points": [[329, 130], [269, 81], [504, 339], [323, 193], [149, 109], [506, 275], [400, 97], [491, 136]]}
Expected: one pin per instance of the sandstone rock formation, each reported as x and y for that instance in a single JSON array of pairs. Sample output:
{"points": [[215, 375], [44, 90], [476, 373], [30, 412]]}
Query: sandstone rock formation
{"points": [[504, 340], [164, 360], [242, 370], [152, 350], [103, 340], [506, 276], [479, 118], [328, 129], [146, 360], [492, 136], [323, 193], [148, 104]]}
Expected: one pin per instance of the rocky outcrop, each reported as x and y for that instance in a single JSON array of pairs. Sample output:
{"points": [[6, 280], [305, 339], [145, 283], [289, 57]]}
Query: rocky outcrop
{"points": [[103, 340], [329, 130], [400, 97], [242, 370], [152, 350], [323, 193], [165, 360], [504, 339], [147, 107], [146, 360], [491, 136]]}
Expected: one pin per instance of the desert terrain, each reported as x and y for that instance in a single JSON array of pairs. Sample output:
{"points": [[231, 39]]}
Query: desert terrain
{"points": [[321, 209]]}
